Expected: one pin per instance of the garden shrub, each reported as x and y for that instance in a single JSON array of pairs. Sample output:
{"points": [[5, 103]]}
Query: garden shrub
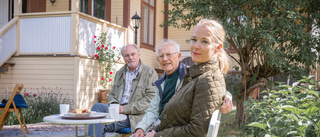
{"points": [[290, 111], [233, 83], [41, 102]]}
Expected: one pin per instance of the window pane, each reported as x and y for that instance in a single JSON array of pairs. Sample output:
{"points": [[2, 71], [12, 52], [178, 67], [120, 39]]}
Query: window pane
{"points": [[151, 19], [99, 8], [152, 3], [83, 6], [146, 1], [145, 25]]}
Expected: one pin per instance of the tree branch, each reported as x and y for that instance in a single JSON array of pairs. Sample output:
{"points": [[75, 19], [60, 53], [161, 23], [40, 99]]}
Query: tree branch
{"points": [[262, 82]]}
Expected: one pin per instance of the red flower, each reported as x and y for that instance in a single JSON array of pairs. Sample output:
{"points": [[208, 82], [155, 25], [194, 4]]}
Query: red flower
{"points": [[119, 58], [106, 48], [110, 72], [110, 79], [95, 41], [102, 78], [98, 48], [95, 36], [102, 45], [114, 47], [96, 55], [26, 94], [97, 29], [34, 95]]}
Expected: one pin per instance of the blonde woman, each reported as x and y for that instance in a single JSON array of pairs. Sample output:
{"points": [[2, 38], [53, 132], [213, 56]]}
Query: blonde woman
{"points": [[203, 89]]}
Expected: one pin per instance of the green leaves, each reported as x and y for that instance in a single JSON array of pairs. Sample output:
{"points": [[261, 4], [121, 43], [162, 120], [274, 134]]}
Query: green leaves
{"points": [[291, 117], [290, 111], [108, 55], [312, 111], [259, 125]]}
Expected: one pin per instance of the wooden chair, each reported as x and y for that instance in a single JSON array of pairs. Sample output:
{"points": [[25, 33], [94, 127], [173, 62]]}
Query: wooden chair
{"points": [[11, 107]]}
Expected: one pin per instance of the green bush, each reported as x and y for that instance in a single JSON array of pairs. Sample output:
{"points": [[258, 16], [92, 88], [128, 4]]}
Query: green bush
{"points": [[233, 83], [41, 102], [290, 111]]}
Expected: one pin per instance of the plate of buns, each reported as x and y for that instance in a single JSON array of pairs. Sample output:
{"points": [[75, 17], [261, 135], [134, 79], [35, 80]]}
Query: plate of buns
{"points": [[79, 114]]}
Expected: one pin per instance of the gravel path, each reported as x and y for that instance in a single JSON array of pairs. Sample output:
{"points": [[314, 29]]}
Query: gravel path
{"points": [[44, 129]]}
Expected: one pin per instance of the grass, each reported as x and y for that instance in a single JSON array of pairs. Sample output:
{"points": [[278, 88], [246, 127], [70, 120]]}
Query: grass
{"points": [[228, 127]]}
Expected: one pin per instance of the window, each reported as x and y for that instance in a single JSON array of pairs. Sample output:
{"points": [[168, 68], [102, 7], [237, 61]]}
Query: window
{"points": [[148, 24], [96, 8], [84, 6], [99, 7]]}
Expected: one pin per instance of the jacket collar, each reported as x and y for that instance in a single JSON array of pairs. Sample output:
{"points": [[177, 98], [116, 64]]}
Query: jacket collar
{"points": [[196, 70], [182, 73]]}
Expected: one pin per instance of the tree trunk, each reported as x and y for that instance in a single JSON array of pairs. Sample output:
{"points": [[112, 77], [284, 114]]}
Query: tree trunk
{"points": [[241, 116]]}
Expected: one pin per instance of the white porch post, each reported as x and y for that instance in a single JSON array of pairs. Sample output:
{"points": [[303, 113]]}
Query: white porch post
{"points": [[74, 41], [17, 11], [17, 7], [74, 49]]}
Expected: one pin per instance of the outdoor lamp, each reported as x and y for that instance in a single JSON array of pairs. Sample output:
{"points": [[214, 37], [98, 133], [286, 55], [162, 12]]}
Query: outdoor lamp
{"points": [[52, 1], [136, 23]]}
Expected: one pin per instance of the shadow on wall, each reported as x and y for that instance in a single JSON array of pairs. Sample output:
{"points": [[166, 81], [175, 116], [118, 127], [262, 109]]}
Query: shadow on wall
{"points": [[88, 85]]}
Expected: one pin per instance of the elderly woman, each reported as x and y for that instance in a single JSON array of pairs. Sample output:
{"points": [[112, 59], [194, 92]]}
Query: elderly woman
{"points": [[203, 89]]}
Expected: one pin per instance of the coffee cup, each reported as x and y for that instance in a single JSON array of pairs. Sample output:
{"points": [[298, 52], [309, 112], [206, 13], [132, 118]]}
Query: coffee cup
{"points": [[64, 108]]}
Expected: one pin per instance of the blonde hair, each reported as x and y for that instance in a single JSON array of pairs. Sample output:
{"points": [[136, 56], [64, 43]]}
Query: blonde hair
{"points": [[218, 35]]}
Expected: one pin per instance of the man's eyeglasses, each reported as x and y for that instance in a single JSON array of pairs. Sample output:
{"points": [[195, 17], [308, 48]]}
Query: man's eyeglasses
{"points": [[169, 55]]}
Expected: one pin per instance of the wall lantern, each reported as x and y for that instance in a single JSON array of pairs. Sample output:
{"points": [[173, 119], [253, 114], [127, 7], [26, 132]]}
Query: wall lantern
{"points": [[52, 1], [136, 23]]}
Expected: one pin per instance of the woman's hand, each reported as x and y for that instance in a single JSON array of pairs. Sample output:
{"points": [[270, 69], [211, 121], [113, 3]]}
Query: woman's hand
{"points": [[151, 134], [227, 106]]}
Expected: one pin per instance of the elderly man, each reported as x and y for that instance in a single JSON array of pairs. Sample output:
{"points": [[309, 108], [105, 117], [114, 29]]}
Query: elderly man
{"points": [[169, 58], [132, 89]]}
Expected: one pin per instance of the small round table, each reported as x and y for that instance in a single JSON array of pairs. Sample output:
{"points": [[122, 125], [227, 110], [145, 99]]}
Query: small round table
{"points": [[56, 119]]}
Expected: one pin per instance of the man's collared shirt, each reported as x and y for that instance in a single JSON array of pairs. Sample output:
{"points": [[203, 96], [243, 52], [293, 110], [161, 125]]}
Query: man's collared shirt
{"points": [[129, 77]]}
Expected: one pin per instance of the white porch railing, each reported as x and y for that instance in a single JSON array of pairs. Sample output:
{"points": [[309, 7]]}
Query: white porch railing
{"points": [[50, 33], [87, 30], [8, 44], [90, 26], [45, 35]]}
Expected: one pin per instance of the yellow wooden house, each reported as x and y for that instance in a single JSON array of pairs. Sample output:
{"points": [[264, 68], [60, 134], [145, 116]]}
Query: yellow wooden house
{"points": [[49, 43]]}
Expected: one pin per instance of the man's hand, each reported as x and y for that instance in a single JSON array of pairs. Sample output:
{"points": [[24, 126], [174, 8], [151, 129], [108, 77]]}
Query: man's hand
{"points": [[151, 134], [120, 109], [139, 133]]}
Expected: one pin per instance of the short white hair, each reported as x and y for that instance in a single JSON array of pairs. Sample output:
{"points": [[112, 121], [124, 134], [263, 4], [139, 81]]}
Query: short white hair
{"points": [[168, 41], [138, 50]]}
